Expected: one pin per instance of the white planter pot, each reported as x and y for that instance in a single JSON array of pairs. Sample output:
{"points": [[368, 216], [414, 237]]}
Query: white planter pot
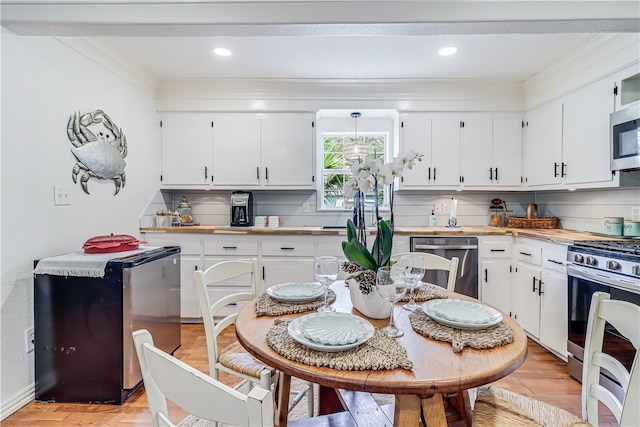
{"points": [[371, 305]]}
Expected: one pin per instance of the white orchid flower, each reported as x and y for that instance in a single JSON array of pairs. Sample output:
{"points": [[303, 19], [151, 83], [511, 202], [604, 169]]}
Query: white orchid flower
{"points": [[350, 187], [386, 174]]}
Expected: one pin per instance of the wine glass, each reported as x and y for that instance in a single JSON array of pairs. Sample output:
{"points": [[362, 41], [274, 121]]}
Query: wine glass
{"points": [[413, 271], [326, 269], [391, 286]]}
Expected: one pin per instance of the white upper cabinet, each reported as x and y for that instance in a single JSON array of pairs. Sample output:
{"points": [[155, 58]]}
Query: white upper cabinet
{"points": [[187, 149], [585, 145], [476, 154], [543, 145], [437, 137], [236, 150], [416, 135], [491, 150], [287, 150], [507, 150], [445, 150]]}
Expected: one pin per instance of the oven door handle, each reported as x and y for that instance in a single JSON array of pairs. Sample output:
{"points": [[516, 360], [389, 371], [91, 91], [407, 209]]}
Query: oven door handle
{"points": [[418, 246], [602, 277]]}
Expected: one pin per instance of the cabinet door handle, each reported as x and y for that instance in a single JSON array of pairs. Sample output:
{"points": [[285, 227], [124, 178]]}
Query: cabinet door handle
{"points": [[229, 247], [496, 250], [490, 174], [263, 275], [562, 169], [206, 173], [534, 284], [525, 254], [266, 174], [486, 275], [257, 172], [287, 249], [434, 174], [540, 291], [429, 173], [496, 174], [555, 262], [555, 170]]}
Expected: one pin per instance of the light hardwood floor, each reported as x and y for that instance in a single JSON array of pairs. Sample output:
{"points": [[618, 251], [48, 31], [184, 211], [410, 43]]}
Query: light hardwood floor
{"points": [[542, 376]]}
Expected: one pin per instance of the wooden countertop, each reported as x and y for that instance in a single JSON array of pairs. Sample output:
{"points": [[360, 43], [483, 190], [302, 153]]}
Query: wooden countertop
{"points": [[552, 235]]}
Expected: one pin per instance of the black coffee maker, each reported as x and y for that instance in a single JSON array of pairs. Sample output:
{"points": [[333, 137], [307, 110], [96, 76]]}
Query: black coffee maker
{"points": [[241, 209]]}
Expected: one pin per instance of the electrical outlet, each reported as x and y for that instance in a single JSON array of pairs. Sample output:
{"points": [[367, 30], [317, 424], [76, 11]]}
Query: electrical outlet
{"points": [[635, 213], [305, 207], [29, 340], [442, 207], [61, 196]]}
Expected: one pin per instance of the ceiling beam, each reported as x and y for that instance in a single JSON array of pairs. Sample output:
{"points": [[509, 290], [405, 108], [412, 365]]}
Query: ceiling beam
{"points": [[317, 18]]}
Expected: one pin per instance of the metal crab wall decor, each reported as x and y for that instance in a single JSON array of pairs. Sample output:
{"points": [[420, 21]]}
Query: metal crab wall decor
{"points": [[100, 152]]}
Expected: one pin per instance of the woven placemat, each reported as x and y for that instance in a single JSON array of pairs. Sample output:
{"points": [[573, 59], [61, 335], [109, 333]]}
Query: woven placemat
{"points": [[379, 352], [267, 306], [494, 336], [425, 292]]}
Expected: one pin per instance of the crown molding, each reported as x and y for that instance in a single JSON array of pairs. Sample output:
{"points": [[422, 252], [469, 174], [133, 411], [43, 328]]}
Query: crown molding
{"points": [[107, 55], [592, 58]]}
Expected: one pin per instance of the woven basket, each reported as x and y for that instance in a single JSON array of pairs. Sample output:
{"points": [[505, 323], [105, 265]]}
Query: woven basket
{"points": [[532, 220]]}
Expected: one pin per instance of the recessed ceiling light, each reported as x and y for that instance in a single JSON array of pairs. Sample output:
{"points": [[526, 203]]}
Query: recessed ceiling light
{"points": [[446, 51], [221, 51]]}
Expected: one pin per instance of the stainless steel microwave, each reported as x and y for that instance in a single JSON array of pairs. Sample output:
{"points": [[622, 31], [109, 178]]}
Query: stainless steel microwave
{"points": [[625, 138]]}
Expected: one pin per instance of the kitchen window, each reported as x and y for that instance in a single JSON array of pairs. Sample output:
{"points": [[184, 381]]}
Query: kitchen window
{"points": [[336, 169]]}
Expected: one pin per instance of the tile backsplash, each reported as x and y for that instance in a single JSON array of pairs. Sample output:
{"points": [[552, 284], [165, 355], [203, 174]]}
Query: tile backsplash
{"points": [[577, 210]]}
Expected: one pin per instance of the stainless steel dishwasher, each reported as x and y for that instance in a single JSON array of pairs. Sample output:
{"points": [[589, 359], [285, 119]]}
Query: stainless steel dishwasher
{"points": [[465, 248]]}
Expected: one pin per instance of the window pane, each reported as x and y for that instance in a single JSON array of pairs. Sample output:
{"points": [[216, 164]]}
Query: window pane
{"points": [[337, 169]]}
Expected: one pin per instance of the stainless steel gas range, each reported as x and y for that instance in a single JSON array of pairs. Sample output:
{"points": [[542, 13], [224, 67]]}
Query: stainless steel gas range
{"points": [[606, 266]]}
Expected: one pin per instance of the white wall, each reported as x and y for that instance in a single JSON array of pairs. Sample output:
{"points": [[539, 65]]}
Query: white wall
{"points": [[43, 82]]}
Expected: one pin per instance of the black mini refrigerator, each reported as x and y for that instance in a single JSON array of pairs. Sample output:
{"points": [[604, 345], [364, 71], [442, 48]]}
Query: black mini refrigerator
{"points": [[84, 351]]}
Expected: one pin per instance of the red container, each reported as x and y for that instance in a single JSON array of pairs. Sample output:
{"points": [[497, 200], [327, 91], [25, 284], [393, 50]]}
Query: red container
{"points": [[111, 243]]}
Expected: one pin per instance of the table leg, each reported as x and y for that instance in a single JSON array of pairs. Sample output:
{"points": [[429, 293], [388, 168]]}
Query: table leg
{"points": [[433, 411], [407, 410], [281, 393], [460, 401], [328, 401]]}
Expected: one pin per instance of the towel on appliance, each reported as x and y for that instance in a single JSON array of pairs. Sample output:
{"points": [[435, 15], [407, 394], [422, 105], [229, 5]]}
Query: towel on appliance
{"points": [[80, 264]]}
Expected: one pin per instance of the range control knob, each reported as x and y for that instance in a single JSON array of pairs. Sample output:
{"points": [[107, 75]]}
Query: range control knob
{"points": [[613, 265], [578, 258], [635, 270], [592, 261]]}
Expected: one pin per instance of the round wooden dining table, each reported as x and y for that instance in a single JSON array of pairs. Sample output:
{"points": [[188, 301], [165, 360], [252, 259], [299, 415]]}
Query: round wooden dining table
{"points": [[438, 373]]}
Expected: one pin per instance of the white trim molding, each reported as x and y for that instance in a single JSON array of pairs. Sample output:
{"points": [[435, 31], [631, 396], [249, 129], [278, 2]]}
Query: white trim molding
{"points": [[16, 402]]}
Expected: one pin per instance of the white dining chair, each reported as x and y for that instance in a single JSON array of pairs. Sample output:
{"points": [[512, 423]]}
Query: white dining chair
{"points": [[203, 397], [437, 262], [234, 359], [495, 406]]}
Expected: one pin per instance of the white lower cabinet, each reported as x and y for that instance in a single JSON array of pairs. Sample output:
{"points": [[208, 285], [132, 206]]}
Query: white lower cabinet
{"points": [[495, 271], [525, 299], [287, 259], [539, 293]]}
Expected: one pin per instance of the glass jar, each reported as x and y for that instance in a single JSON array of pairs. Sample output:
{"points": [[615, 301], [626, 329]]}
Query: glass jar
{"points": [[184, 210], [496, 216]]}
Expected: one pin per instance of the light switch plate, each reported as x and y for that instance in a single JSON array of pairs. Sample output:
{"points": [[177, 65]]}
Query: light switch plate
{"points": [[61, 196], [635, 213]]}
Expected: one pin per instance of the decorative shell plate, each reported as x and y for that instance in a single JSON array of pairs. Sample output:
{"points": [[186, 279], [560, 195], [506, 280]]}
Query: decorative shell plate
{"points": [[296, 331], [337, 329], [296, 292], [462, 314]]}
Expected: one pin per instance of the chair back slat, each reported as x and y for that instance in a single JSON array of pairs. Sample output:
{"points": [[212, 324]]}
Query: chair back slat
{"points": [[437, 262], [166, 377], [625, 318]]}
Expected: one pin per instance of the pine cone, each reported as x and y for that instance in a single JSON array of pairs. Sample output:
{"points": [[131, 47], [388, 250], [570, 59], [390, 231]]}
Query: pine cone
{"points": [[349, 267]]}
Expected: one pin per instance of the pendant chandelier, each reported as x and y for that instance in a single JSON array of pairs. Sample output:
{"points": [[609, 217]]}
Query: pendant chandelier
{"points": [[357, 148]]}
